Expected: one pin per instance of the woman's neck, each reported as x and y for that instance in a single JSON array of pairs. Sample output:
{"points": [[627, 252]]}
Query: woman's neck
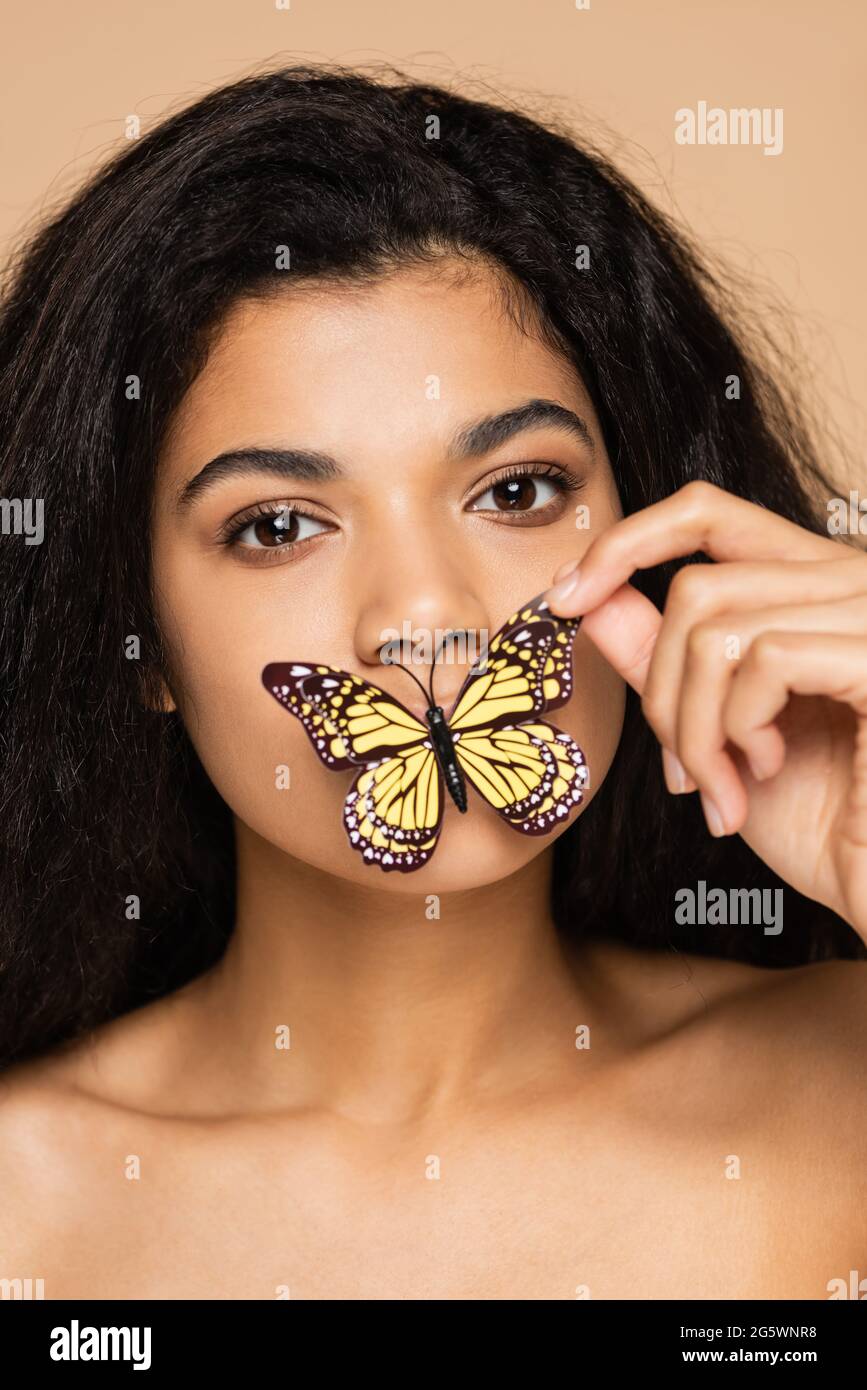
{"points": [[388, 1005]]}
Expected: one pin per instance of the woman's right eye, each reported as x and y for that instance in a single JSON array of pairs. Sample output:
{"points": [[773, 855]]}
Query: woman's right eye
{"points": [[270, 530]]}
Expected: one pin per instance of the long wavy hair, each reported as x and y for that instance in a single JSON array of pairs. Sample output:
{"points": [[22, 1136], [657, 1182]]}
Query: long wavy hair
{"points": [[102, 799]]}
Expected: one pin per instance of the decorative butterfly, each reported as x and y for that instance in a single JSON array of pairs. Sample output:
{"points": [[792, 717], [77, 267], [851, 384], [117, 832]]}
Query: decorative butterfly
{"points": [[530, 772]]}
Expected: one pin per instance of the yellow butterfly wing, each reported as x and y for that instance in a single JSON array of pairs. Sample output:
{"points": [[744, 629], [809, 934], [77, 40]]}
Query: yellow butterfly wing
{"points": [[349, 722], [527, 671], [532, 775], [393, 813], [530, 772]]}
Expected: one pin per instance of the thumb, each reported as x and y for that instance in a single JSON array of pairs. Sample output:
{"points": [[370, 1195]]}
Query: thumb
{"points": [[625, 628]]}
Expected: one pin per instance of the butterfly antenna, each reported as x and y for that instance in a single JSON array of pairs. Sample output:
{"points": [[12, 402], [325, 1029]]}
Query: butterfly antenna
{"points": [[401, 666], [452, 632], [430, 691]]}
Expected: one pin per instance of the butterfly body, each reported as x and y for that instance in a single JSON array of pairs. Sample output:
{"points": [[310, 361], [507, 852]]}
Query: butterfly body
{"points": [[444, 747], [495, 738]]}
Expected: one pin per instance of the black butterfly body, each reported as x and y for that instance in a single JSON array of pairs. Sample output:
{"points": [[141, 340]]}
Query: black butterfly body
{"points": [[444, 747]]}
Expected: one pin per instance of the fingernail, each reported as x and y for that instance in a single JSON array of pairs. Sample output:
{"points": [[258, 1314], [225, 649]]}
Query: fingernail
{"points": [[756, 767], [566, 568], [759, 767], [673, 771], [562, 592], [712, 816]]}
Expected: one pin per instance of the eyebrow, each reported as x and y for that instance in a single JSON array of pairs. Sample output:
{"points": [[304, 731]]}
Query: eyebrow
{"points": [[470, 441]]}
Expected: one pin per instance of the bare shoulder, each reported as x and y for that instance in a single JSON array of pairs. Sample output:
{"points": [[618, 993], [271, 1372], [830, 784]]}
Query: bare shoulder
{"points": [[808, 1027], [788, 1050], [789, 1044], [764, 1069], [123, 1065], [42, 1172], [825, 1002], [66, 1115], [818, 1009]]}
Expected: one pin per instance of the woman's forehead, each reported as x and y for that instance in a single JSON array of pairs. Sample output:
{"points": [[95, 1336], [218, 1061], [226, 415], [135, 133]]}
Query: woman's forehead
{"points": [[380, 366]]}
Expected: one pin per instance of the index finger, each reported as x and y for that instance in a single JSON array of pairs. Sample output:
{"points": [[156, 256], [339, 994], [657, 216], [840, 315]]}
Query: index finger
{"points": [[698, 517]]}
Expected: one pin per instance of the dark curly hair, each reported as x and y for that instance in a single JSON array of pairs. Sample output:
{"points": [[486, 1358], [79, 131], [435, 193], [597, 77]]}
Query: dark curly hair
{"points": [[357, 174]]}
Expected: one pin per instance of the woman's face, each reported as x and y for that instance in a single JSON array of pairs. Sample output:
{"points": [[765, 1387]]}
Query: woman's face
{"points": [[407, 531]]}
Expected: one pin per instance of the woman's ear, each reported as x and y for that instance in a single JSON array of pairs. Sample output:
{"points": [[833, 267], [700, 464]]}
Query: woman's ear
{"points": [[166, 703], [156, 695]]}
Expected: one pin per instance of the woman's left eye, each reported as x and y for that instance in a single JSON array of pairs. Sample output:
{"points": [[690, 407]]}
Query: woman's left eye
{"points": [[525, 491]]}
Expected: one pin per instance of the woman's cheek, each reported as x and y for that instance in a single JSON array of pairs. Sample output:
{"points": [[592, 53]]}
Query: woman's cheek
{"points": [[594, 715]]}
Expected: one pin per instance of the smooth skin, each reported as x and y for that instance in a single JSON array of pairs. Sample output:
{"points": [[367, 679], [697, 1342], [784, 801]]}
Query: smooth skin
{"points": [[433, 1131]]}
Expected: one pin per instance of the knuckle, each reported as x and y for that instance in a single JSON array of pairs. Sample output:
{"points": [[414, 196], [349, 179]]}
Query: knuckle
{"points": [[642, 653], [697, 746], [733, 725], [689, 587], [767, 650], [705, 642], [700, 494], [691, 752]]}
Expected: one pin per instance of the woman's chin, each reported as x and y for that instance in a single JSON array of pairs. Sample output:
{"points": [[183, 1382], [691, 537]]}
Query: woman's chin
{"points": [[474, 849]]}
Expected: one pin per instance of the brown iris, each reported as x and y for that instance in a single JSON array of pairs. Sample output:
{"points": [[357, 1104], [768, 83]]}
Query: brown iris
{"points": [[279, 529], [515, 494]]}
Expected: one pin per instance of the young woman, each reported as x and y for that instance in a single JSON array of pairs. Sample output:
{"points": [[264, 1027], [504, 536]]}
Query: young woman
{"points": [[324, 358]]}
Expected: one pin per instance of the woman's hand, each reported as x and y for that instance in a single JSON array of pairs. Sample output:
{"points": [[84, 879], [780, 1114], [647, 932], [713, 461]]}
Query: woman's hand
{"points": [[754, 678]]}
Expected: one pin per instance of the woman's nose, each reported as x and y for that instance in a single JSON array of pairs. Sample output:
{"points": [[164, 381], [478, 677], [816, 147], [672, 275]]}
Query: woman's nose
{"points": [[436, 637]]}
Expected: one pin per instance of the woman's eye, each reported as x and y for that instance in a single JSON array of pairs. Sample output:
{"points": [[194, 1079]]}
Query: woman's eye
{"points": [[278, 528], [529, 492]]}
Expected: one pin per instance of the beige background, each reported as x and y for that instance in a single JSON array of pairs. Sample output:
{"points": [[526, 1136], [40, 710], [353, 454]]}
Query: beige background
{"points": [[73, 73]]}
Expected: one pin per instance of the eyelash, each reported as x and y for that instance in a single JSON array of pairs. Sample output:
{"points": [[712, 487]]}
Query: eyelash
{"points": [[237, 525], [230, 533], [565, 482]]}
